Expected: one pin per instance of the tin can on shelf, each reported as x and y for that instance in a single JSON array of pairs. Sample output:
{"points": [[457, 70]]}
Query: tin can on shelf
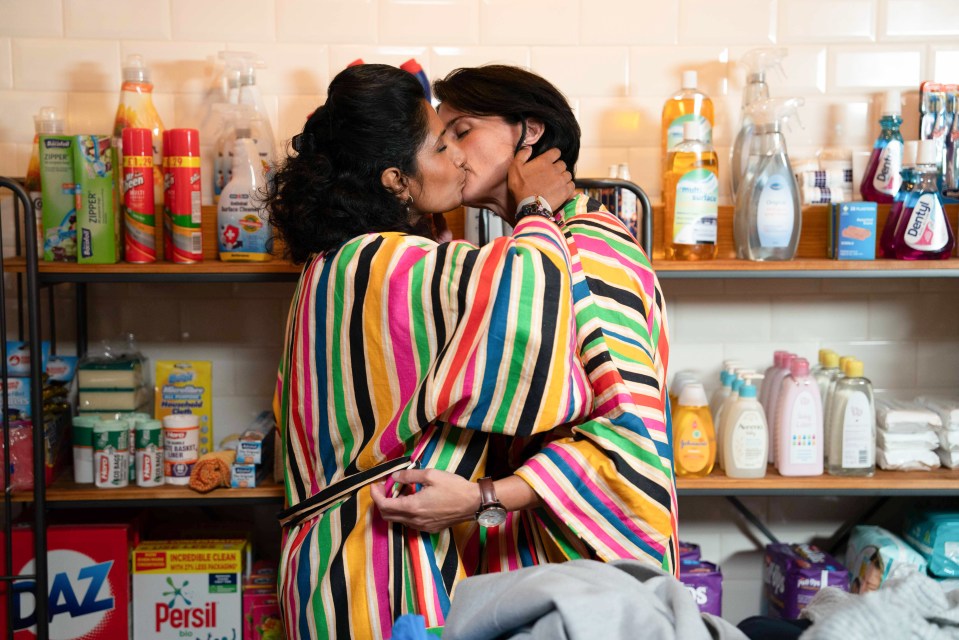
{"points": [[139, 212], [183, 239]]}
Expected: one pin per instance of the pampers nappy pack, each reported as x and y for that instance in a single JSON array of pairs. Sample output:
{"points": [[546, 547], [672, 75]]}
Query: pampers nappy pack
{"points": [[871, 555], [935, 534]]}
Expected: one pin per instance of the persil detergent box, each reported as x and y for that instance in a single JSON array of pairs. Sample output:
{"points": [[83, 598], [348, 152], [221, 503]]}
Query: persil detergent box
{"points": [[188, 589], [59, 204], [88, 569], [98, 225], [187, 387]]}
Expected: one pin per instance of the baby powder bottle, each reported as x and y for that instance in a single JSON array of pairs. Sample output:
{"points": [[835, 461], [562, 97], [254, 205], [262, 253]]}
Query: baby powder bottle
{"points": [[772, 400], [745, 437], [887, 242], [881, 180], [851, 445], [688, 105], [136, 110], [924, 232], [691, 195], [694, 442], [799, 450]]}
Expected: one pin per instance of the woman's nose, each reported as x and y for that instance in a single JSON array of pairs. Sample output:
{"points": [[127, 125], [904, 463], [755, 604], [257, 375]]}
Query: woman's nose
{"points": [[459, 158]]}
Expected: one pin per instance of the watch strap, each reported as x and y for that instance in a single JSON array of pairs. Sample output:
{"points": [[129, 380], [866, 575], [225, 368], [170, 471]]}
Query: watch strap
{"points": [[487, 493]]}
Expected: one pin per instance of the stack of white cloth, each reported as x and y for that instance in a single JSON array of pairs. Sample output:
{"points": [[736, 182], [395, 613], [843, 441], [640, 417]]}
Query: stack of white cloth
{"points": [[907, 435], [948, 410], [825, 186]]}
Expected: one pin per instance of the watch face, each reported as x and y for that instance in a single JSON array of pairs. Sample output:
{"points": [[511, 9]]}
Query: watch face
{"points": [[492, 517]]}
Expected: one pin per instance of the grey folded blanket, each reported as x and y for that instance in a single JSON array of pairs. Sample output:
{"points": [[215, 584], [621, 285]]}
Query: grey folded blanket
{"points": [[580, 600]]}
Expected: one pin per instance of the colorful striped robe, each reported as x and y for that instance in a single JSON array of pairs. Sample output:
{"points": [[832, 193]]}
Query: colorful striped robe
{"points": [[399, 346]]}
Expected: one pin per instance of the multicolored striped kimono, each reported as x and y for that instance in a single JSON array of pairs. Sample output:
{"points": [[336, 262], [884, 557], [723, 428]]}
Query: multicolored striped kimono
{"points": [[452, 354]]}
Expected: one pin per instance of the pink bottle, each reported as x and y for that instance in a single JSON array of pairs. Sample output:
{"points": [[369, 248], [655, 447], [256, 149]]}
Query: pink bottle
{"points": [[768, 374], [799, 436], [775, 382]]}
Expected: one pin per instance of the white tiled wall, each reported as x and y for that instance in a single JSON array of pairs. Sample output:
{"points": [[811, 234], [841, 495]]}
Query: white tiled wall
{"points": [[616, 60]]}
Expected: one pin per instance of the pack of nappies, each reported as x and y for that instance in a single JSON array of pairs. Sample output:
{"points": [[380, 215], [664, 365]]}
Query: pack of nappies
{"points": [[935, 534], [872, 553]]}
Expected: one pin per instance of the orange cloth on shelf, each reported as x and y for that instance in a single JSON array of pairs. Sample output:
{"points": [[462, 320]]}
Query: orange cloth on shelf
{"points": [[212, 470]]}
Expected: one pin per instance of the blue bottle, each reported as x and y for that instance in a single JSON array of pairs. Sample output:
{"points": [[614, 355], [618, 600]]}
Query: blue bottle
{"points": [[881, 181], [887, 241], [924, 232]]}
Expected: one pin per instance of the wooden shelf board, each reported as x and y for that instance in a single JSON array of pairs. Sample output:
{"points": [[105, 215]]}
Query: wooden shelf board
{"points": [[18, 265], [64, 489], [942, 481], [806, 265]]}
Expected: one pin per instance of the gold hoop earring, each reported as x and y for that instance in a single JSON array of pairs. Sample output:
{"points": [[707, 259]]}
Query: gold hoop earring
{"points": [[409, 203]]}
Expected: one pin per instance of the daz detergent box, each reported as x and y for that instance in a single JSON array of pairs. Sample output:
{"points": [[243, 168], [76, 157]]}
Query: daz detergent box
{"points": [[88, 569], [59, 215], [98, 225], [188, 589]]}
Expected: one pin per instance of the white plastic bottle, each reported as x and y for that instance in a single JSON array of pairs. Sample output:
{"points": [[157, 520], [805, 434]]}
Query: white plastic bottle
{"points": [[243, 233], [745, 439], [852, 439], [767, 216], [799, 450], [719, 396], [828, 398], [724, 409]]}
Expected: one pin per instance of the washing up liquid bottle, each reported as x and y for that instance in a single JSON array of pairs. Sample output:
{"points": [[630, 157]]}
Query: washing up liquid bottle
{"points": [[767, 216], [745, 439], [249, 94], [691, 194], [852, 439], [47, 122], [757, 62], [243, 233], [799, 450], [881, 180], [137, 110], [887, 241], [694, 443], [924, 232], [688, 105], [772, 400], [413, 67]]}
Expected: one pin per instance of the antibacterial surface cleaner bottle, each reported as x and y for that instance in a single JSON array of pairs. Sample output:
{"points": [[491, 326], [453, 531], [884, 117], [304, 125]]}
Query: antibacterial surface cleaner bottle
{"points": [[881, 180], [924, 232], [768, 217], [691, 194]]}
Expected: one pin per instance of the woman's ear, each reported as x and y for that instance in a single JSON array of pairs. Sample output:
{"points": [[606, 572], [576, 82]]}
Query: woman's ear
{"points": [[395, 182], [534, 131]]}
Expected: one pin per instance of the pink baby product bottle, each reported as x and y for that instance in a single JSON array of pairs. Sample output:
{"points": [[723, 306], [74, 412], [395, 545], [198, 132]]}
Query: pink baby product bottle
{"points": [[799, 450], [772, 400]]}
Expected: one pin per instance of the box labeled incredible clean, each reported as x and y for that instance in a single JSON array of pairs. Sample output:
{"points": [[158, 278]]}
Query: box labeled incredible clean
{"points": [[188, 589], [853, 231]]}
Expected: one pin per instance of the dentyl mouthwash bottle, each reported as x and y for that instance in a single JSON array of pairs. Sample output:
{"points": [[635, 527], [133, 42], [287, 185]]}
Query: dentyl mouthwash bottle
{"points": [[887, 242], [691, 194], [924, 232], [881, 180], [851, 448], [767, 216], [688, 105]]}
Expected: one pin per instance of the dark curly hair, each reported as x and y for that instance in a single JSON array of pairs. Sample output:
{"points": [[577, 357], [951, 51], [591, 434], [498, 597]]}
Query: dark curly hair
{"points": [[330, 191], [514, 94]]}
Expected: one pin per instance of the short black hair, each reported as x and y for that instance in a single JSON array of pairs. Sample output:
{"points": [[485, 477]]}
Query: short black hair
{"points": [[514, 94], [330, 191]]}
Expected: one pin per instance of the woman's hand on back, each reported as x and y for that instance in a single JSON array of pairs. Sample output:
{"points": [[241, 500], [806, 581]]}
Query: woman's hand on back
{"points": [[443, 500], [544, 176]]}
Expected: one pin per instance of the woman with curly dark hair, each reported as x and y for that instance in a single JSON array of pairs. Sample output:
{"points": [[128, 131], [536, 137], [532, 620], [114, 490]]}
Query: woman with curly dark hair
{"points": [[403, 351]]}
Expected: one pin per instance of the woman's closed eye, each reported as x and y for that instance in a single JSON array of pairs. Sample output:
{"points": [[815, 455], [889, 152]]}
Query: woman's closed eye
{"points": [[461, 133]]}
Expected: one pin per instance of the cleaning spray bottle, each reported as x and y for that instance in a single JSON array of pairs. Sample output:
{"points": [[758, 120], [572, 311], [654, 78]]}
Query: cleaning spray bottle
{"points": [[48, 121], [688, 105], [881, 180], [887, 241], [694, 442], [243, 234], [924, 232], [136, 110], [691, 194], [799, 450], [249, 94], [757, 62], [767, 216], [745, 439]]}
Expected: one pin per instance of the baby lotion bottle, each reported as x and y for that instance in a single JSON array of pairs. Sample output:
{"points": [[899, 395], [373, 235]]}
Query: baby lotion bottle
{"points": [[827, 371], [924, 232], [767, 375], [745, 438], [881, 180], [720, 418], [691, 195], [694, 442], [689, 105], [799, 448], [726, 377], [851, 443], [887, 242], [772, 401], [827, 401]]}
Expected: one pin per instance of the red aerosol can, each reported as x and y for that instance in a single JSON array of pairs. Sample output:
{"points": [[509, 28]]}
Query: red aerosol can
{"points": [[183, 240], [139, 215]]}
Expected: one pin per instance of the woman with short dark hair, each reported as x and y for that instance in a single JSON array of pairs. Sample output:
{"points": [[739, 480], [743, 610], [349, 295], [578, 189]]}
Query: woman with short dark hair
{"points": [[400, 351]]}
